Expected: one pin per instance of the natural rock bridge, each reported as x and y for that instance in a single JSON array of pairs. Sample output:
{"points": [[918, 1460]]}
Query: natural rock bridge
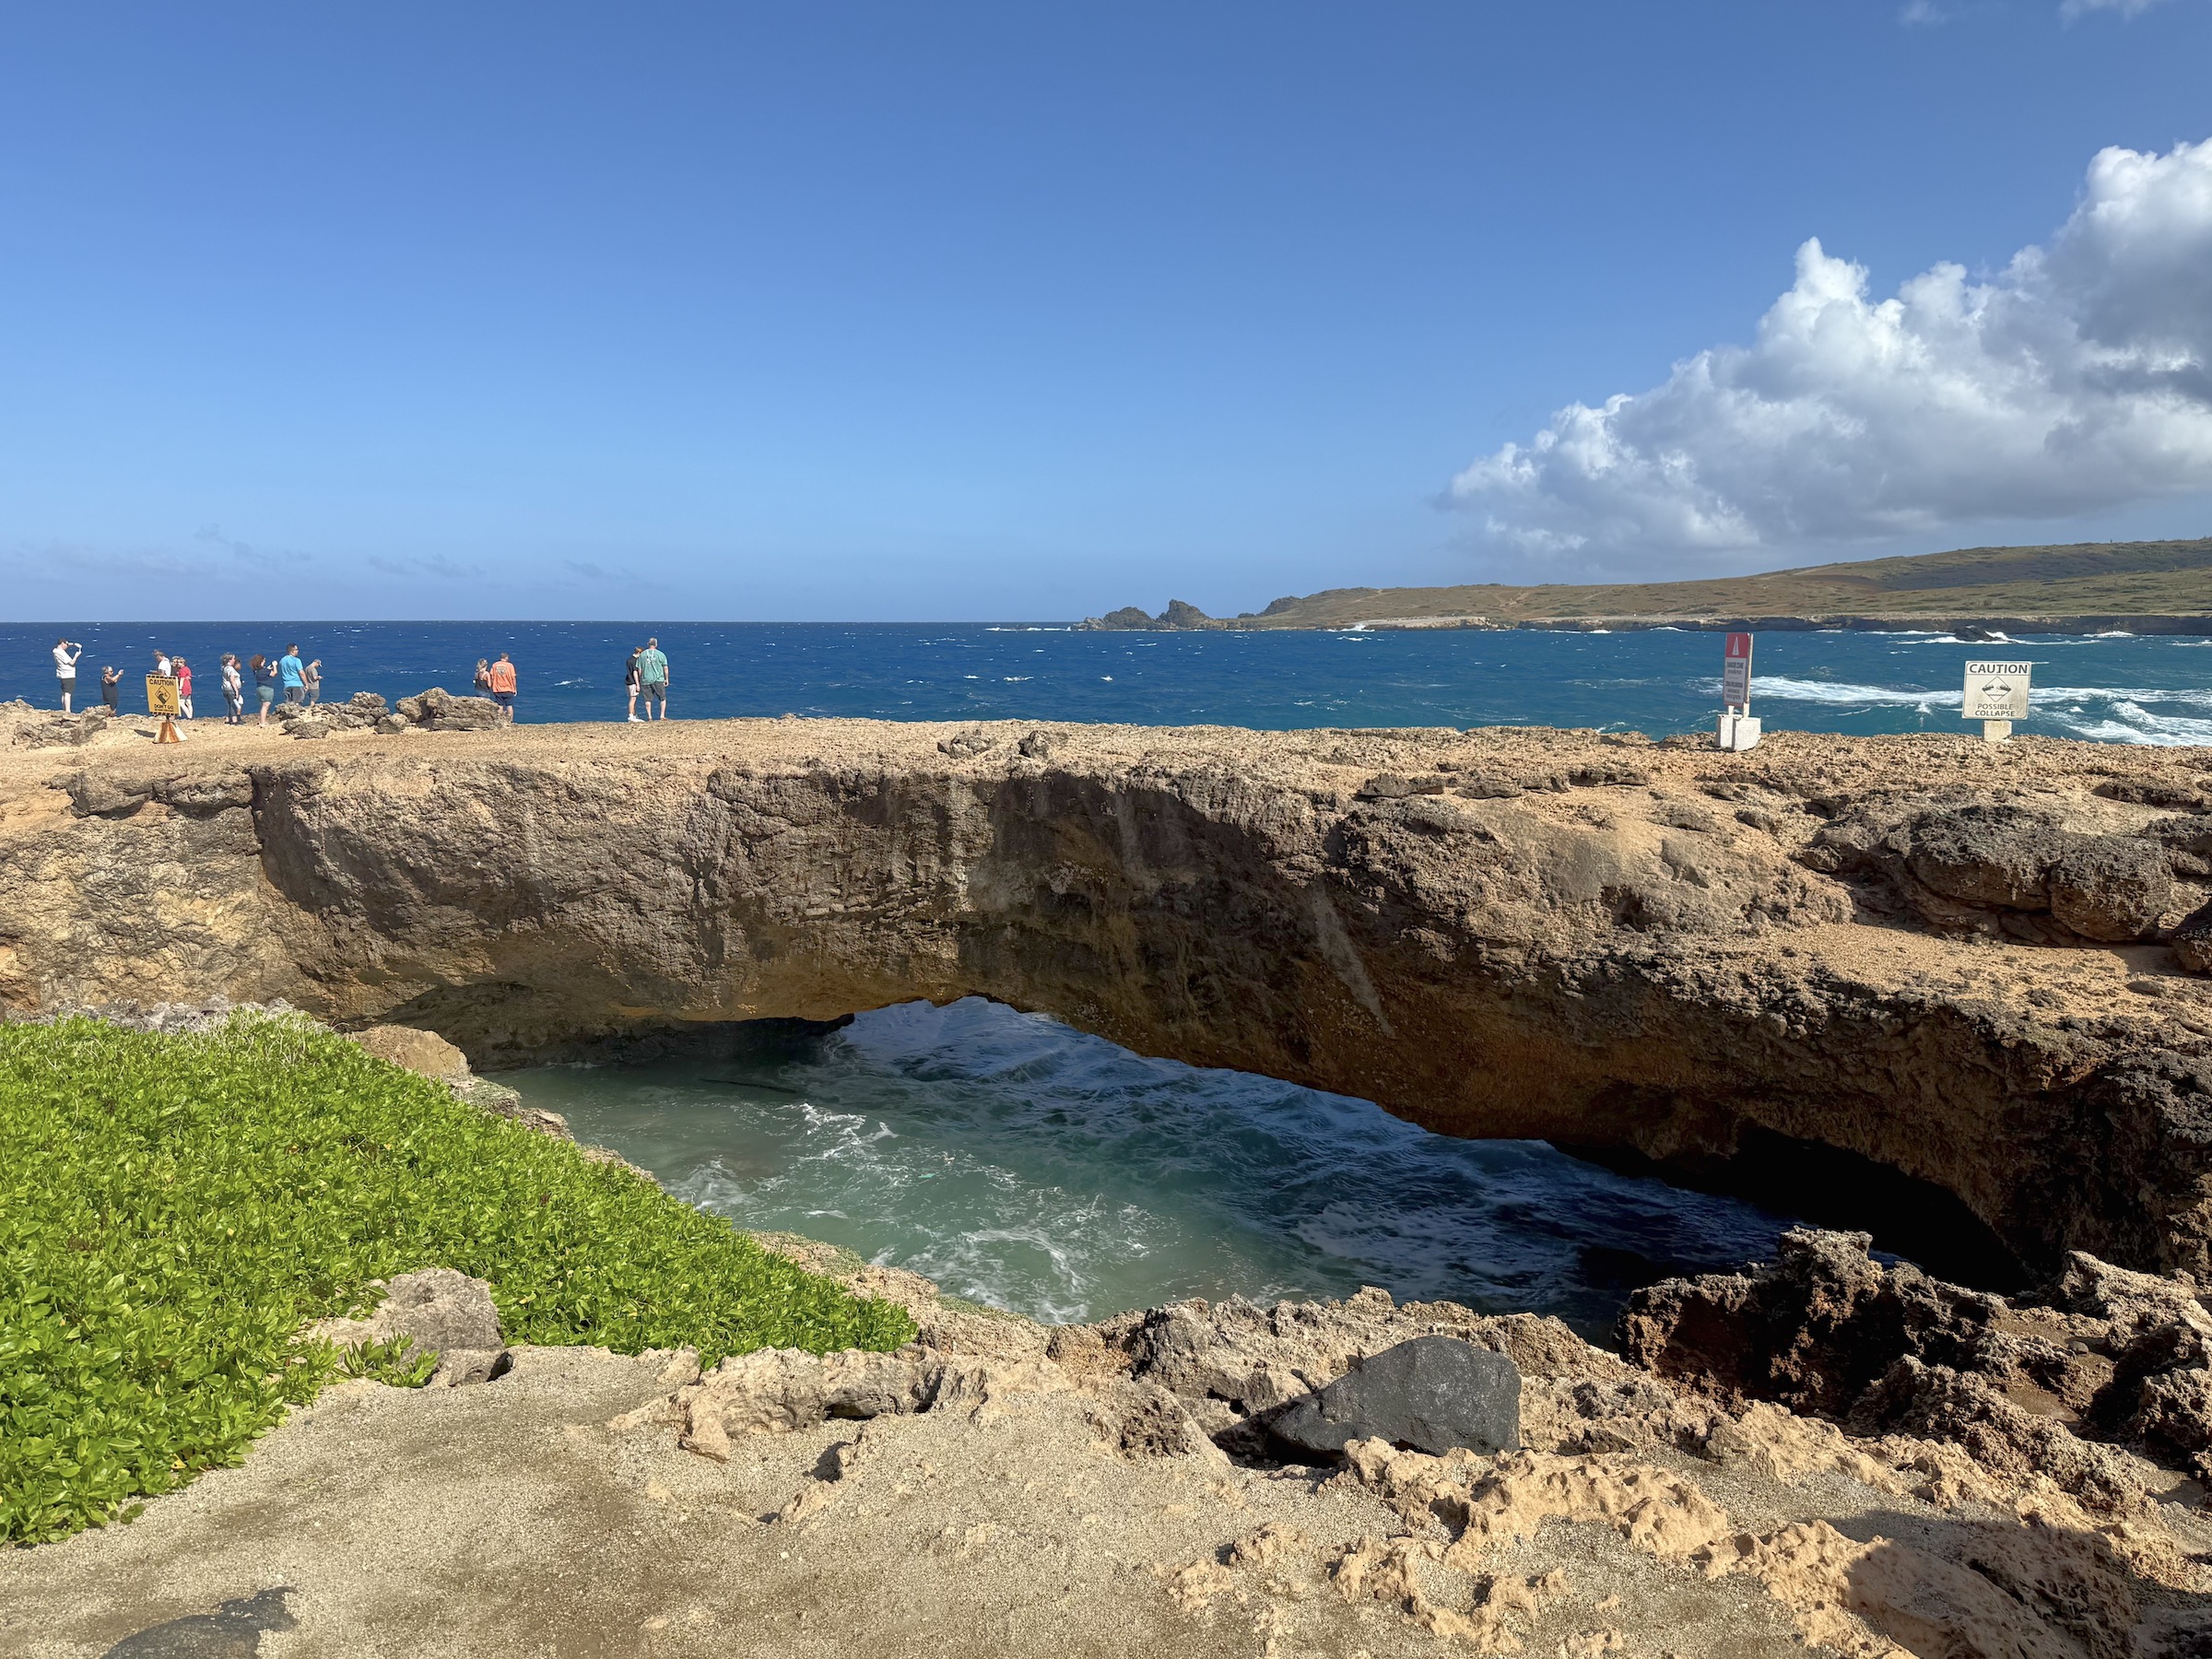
{"points": [[1723, 965]]}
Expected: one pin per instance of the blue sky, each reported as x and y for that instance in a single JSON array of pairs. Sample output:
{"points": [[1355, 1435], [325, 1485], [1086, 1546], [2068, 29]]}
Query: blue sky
{"points": [[978, 310]]}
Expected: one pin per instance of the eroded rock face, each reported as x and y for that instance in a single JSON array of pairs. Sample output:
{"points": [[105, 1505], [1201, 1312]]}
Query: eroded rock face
{"points": [[1656, 952], [2030, 1384]]}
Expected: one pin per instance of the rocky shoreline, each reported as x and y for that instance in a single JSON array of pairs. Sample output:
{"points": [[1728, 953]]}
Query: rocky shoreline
{"points": [[1937, 990], [1883, 1463]]}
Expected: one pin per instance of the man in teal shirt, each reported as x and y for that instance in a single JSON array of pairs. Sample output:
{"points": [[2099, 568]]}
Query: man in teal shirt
{"points": [[653, 679], [293, 673]]}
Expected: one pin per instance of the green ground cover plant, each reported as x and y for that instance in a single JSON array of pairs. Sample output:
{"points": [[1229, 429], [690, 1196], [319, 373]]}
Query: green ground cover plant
{"points": [[174, 1208]]}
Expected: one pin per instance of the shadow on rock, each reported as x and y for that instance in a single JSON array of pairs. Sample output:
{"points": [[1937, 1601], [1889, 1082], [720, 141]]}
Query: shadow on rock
{"points": [[232, 1631]]}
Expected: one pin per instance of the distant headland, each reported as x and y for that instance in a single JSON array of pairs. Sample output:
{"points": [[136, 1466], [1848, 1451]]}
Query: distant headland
{"points": [[2144, 587]]}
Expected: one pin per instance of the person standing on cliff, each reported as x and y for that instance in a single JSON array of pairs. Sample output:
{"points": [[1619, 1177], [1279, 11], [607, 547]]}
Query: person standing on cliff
{"points": [[111, 686], [310, 678], [629, 679], [265, 683], [183, 670], [499, 677], [653, 678], [64, 670], [293, 673], [234, 690]]}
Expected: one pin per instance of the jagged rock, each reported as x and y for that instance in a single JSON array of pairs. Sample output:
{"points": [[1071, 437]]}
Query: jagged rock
{"points": [[66, 731], [309, 728], [966, 746], [1431, 1394], [1179, 615], [391, 725], [2111, 888], [437, 709], [1987, 855]]}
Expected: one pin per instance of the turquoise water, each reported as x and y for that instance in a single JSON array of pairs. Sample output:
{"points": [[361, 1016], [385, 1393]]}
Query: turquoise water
{"points": [[2114, 688], [1022, 1164]]}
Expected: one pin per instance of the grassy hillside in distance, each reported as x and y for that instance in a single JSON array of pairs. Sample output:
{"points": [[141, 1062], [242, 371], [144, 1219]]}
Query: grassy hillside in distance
{"points": [[2117, 578]]}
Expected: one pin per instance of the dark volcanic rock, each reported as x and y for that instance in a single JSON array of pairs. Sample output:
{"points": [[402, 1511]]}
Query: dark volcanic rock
{"points": [[2191, 941], [1431, 1394], [1988, 855], [2111, 888]]}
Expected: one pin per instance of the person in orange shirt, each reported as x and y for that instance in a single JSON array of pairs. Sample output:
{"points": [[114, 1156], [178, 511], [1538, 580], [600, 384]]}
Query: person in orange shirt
{"points": [[502, 675]]}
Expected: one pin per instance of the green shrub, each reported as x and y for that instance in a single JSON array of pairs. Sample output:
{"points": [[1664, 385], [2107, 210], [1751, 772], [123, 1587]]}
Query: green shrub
{"points": [[174, 1210]]}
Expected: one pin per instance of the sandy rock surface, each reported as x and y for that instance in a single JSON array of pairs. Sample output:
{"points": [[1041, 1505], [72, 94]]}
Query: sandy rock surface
{"points": [[933, 1502]]}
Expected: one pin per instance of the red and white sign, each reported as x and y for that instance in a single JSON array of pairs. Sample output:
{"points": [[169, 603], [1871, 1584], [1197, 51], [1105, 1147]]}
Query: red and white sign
{"points": [[1735, 673]]}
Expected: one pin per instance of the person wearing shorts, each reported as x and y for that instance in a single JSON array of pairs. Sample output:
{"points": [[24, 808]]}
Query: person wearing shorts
{"points": [[293, 673], [653, 679], [265, 683], [500, 677], [64, 670]]}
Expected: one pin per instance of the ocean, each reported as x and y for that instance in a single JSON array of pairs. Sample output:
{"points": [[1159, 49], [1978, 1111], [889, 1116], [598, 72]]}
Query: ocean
{"points": [[1028, 1166], [2115, 689]]}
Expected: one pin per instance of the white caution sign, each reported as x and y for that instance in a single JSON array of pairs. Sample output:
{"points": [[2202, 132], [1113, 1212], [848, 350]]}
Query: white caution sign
{"points": [[1996, 691], [1735, 672]]}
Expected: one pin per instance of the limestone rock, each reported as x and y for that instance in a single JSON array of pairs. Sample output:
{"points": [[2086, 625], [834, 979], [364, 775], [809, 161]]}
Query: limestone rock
{"points": [[1989, 855], [1431, 1394], [438, 709], [2111, 888], [437, 1308], [424, 1052], [433, 1310]]}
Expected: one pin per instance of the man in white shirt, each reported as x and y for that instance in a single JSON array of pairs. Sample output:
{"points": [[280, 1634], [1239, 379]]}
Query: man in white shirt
{"points": [[161, 666], [65, 669]]}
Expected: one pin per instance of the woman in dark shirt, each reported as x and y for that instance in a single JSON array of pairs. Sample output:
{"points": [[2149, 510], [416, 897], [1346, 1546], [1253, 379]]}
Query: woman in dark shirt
{"points": [[265, 683]]}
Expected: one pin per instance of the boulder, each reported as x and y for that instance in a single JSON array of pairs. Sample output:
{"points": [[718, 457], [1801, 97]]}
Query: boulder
{"points": [[440, 711], [2191, 941], [1431, 1394], [2111, 888], [434, 1311], [423, 1052], [1987, 855]]}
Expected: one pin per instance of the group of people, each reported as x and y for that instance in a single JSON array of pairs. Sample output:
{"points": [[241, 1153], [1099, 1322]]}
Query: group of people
{"points": [[646, 676], [300, 682]]}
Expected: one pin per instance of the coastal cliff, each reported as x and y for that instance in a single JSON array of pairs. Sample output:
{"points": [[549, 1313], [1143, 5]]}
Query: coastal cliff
{"points": [[1788, 970]]}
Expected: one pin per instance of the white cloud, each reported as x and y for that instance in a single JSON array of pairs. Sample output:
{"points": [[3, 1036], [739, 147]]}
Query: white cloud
{"points": [[2071, 9], [2079, 378]]}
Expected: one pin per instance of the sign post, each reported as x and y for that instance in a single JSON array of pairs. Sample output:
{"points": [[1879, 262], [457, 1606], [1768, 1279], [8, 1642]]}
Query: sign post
{"points": [[161, 699], [1997, 695], [1738, 730]]}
